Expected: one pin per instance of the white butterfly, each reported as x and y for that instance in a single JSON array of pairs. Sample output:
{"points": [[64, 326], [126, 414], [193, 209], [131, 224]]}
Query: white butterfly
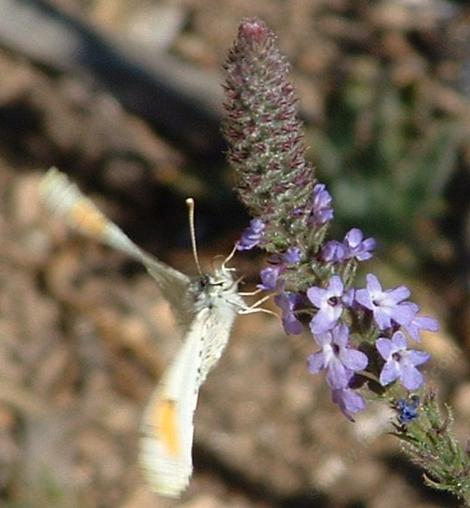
{"points": [[205, 306]]}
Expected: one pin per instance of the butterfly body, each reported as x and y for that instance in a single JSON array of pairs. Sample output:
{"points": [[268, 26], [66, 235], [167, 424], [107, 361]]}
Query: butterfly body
{"points": [[205, 306]]}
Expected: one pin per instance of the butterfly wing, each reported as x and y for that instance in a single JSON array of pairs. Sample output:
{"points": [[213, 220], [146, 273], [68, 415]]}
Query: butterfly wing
{"points": [[66, 200], [167, 425]]}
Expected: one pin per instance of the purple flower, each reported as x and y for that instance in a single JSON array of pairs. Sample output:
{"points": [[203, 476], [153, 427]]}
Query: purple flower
{"points": [[287, 302], [357, 247], [400, 363], [321, 210], [349, 401], [252, 235], [337, 357], [329, 304], [418, 323], [385, 305], [353, 246], [269, 277], [291, 256], [333, 252]]}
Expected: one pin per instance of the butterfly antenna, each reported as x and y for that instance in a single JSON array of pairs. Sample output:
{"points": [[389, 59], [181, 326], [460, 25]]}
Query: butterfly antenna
{"points": [[192, 230]]}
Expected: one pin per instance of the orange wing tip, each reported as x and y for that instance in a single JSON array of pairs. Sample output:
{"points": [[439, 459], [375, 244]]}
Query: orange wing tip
{"points": [[88, 219], [64, 198]]}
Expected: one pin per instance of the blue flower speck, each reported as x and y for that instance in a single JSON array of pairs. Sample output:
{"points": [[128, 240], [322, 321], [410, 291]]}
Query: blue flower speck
{"points": [[407, 409]]}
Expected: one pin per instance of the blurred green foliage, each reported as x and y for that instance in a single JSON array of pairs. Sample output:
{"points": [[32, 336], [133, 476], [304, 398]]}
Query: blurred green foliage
{"points": [[386, 154]]}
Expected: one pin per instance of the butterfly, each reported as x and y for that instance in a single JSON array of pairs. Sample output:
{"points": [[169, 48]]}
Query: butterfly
{"points": [[204, 306]]}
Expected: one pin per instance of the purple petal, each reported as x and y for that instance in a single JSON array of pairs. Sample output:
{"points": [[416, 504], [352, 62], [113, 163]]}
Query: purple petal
{"points": [[399, 341], [269, 277], [287, 302], [349, 401], [373, 284], [403, 314], [322, 196], [427, 323], [419, 323], [338, 376], [316, 362], [357, 247], [341, 335], [323, 339], [363, 256], [354, 237], [316, 295], [333, 252], [418, 357], [292, 326], [252, 235], [353, 359], [324, 215], [382, 317], [321, 210], [399, 294], [411, 377], [349, 297], [369, 244], [390, 372], [385, 347], [335, 286], [362, 296], [322, 322]]}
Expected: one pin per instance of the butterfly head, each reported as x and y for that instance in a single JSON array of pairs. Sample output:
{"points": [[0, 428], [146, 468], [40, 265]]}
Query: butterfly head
{"points": [[207, 288]]}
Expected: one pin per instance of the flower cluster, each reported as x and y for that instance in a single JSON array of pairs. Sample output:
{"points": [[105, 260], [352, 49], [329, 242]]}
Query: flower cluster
{"points": [[333, 310], [345, 319], [361, 334]]}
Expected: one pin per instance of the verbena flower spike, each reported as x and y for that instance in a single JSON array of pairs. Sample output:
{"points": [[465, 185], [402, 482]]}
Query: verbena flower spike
{"points": [[360, 335]]}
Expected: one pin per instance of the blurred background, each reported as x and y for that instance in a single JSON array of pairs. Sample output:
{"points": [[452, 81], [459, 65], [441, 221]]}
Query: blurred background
{"points": [[125, 97]]}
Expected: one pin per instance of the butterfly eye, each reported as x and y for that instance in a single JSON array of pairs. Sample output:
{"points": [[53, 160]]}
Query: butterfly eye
{"points": [[200, 284]]}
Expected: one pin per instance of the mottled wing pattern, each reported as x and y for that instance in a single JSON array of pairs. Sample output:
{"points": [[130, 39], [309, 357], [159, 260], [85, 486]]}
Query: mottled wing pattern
{"points": [[65, 199]]}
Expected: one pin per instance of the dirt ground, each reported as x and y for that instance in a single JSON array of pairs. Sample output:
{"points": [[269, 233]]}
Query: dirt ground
{"points": [[84, 333]]}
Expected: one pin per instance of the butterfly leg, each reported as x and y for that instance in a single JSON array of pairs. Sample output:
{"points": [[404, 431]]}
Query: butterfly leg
{"points": [[229, 258], [256, 307], [250, 293]]}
